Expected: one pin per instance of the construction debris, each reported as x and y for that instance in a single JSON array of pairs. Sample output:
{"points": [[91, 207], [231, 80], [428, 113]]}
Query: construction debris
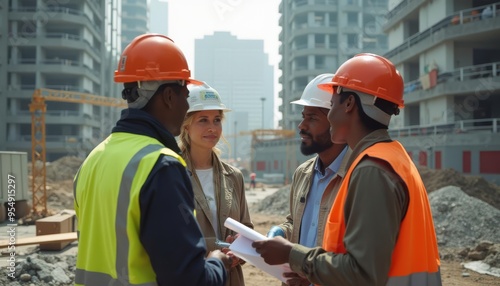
{"points": [[461, 220], [43, 270], [64, 168], [474, 186]]}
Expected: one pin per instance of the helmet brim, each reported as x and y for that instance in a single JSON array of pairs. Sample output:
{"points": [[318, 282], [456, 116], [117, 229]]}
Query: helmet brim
{"points": [[194, 81], [210, 107], [328, 87]]}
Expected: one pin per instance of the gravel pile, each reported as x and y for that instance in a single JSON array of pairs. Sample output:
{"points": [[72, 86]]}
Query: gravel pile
{"points": [[275, 204], [64, 168], [461, 220], [474, 186], [41, 270]]}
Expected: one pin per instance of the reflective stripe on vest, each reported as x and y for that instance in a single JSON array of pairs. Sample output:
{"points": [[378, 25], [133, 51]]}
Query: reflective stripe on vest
{"points": [[415, 258], [121, 224], [422, 278]]}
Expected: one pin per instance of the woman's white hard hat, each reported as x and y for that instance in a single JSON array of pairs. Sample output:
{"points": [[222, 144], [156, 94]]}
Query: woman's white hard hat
{"points": [[204, 97]]}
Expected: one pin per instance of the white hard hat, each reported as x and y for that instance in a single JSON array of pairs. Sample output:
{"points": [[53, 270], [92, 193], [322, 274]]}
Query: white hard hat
{"points": [[313, 95], [204, 97]]}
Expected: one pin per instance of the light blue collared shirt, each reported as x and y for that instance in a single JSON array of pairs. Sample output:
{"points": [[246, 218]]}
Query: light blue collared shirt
{"points": [[309, 224]]}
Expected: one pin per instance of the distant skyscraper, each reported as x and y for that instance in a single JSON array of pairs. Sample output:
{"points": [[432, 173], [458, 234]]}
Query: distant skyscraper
{"points": [[319, 35], [240, 71], [135, 20], [158, 19]]}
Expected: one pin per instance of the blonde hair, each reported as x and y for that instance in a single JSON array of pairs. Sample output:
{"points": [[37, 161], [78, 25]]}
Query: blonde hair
{"points": [[185, 141]]}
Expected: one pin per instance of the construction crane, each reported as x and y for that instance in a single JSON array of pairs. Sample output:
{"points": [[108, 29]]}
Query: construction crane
{"points": [[38, 109]]}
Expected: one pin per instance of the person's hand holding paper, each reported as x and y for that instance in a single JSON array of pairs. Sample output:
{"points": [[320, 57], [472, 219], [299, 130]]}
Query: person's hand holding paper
{"points": [[274, 251], [242, 247]]}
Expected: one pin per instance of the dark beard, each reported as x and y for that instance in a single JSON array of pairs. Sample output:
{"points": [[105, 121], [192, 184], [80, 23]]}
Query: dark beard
{"points": [[318, 145]]}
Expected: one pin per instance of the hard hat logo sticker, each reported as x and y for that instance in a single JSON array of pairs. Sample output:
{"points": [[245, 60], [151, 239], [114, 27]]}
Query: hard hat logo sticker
{"points": [[208, 95], [123, 61]]}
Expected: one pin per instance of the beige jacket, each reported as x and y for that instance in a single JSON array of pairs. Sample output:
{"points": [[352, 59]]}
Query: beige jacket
{"points": [[232, 203], [301, 185]]}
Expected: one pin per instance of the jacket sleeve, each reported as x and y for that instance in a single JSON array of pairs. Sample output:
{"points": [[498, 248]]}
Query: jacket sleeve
{"points": [[287, 226], [169, 231], [244, 212], [374, 207]]}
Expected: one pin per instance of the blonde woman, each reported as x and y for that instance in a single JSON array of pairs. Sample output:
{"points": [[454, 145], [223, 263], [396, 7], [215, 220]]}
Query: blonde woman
{"points": [[219, 189]]}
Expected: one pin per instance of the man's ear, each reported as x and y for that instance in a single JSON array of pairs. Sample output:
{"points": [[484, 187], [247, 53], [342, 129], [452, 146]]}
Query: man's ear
{"points": [[166, 96], [350, 103]]}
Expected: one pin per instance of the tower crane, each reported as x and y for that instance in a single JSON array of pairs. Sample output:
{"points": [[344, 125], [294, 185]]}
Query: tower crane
{"points": [[38, 109]]}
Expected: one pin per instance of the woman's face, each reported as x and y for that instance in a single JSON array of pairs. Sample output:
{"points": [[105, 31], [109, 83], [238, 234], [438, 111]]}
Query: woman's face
{"points": [[205, 129]]}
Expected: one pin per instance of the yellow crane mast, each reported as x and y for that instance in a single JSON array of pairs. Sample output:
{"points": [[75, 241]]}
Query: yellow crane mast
{"points": [[38, 109]]}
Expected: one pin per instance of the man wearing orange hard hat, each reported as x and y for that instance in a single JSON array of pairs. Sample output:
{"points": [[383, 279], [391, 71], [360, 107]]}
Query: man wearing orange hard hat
{"points": [[379, 230], [133, 197]]}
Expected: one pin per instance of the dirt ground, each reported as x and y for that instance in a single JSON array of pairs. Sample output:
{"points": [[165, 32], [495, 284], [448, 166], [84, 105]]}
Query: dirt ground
{"points": [[451, 271]]}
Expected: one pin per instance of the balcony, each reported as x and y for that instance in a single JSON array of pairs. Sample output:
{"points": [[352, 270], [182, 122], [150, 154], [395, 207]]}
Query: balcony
{"points": [[58, 14], [55, 66], [299, 3], [487, 125], [138, 16], [463, 24], [470, 79], [401, 11]]}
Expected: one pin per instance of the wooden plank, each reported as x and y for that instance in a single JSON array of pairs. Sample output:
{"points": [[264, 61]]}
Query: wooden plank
{"points": [[41, 239]]}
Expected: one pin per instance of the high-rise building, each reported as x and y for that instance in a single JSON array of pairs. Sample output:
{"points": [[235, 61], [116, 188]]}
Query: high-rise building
{"points": [[240, 71], [158, 17], [134, 20], [449, 55], [316, 37], [63, 45], [319, 35]]}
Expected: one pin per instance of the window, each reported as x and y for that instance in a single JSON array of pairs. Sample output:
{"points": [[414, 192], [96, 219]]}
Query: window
{"points": [[301, 63], [319, 19], [332, 19], [300, 83], [301, 21], [319, 62], [319, 41], [352, 18], [300, 43], [352, 40], [333, 41]]}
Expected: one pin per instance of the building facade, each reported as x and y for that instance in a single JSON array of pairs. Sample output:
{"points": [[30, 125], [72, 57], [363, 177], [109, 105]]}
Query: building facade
{"points": [[64, 45], [449, 55], [134, 20], [240, 71], [319, 35], [316, 37]]}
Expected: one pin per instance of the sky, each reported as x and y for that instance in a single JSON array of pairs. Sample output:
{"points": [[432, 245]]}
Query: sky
{"points": [[246, 19]]}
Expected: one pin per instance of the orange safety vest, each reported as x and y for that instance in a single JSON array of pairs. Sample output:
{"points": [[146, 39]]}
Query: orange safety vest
{"points": [[415, 259]]}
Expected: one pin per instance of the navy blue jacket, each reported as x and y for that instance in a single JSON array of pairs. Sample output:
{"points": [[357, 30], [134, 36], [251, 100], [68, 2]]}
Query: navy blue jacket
{"points": [[169, 231]]}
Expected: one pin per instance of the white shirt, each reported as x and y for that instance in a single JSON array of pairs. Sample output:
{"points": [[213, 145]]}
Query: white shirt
{"points": [[206, 178]]}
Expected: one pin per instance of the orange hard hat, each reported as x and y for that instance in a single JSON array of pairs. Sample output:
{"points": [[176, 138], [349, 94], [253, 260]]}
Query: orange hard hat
{"points": [[153, 57], [371, 74]]}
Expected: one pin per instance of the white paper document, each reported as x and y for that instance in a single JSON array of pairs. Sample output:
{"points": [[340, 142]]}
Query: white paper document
{"points": [[242, 247]]}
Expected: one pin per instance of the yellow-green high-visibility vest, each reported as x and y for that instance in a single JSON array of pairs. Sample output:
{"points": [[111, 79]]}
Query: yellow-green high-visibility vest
{"points": [[107, 189]]}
